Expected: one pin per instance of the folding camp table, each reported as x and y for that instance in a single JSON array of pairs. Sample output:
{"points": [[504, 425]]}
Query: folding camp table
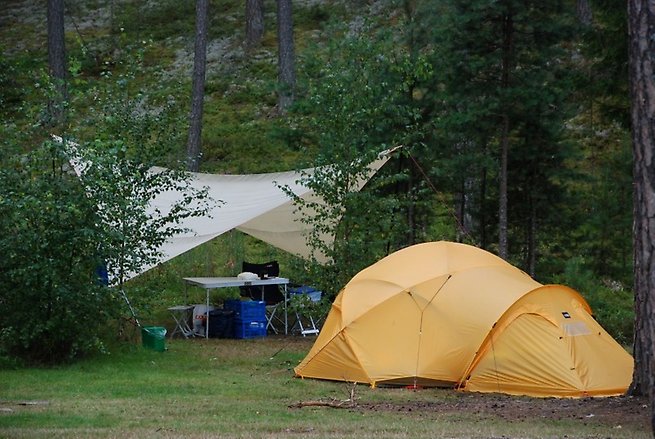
{"points": [[209, 283]]}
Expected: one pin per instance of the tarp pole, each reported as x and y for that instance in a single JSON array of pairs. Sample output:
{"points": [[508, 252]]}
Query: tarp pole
{"points": [[129, 305]]}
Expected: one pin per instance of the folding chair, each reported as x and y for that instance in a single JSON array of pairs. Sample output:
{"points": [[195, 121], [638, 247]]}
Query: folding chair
{"points": [[309, 325], [182, 314], [272, 295]]}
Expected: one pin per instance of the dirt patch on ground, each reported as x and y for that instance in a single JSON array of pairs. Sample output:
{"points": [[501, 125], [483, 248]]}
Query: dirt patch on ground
{"points": [[612, 412]]}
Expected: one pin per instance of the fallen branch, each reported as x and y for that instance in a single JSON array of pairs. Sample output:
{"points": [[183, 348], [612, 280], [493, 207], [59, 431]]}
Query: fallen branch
{"points": [[32, 402], [334, 403], [349, 403]]}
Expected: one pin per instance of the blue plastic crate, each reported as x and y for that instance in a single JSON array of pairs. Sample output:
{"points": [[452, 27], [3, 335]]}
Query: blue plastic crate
{"points": [[247, 309], [249, 328]]}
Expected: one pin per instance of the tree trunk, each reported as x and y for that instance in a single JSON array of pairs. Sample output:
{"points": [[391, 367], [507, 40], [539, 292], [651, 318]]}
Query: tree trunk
{"points": [[113, 31], [502, 203], [198, 87], [254, 23], [583, 11], [531, 261], [508, 30], [411, 206], [483, 208], [57, 61], [286, 56], [460, 210], [641, 22]]}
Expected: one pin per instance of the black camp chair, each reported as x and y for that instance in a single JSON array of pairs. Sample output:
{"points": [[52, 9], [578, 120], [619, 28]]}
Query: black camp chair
{"points": [[272, 295]]}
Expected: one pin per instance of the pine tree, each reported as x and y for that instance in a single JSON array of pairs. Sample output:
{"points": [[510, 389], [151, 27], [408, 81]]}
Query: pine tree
{"points": [[503, 81], [641, 19], [198, 87], [57, 61], [254, 23], [286, 55]]}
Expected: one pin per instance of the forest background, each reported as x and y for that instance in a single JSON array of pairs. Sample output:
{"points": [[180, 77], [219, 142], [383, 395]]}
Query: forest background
{"points": [[515, 133]]}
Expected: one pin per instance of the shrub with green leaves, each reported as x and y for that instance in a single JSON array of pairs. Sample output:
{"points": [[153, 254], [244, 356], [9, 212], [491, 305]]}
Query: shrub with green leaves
{"points": [[52, 305], [611, 303], [360, 102]]}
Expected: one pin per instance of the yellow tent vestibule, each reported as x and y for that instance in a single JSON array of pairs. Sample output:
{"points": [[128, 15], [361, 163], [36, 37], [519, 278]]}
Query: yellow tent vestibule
{"points": [[449, 314]]}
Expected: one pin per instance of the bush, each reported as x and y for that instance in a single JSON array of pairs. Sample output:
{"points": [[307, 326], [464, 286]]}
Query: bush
{"points": [[52, 305], [613, 308], [611, 304]]}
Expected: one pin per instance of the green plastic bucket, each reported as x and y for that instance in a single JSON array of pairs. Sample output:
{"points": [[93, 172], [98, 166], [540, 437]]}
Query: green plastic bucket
{"points": [[154, 337]]}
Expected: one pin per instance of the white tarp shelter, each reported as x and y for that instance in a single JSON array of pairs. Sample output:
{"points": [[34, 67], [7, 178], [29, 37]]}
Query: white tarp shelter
{"points": [[255, 204]]}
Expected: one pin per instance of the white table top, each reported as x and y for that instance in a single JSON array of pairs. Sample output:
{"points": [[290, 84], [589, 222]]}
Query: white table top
{"points": [[180, 308], [224, 282]]}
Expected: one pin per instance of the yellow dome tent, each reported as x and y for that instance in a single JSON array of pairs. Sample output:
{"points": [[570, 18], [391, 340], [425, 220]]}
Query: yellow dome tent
{"points": [[449, 314]]}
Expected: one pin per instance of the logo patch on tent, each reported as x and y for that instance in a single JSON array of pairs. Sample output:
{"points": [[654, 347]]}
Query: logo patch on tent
{"points": [[575, 329], [566, 315]]}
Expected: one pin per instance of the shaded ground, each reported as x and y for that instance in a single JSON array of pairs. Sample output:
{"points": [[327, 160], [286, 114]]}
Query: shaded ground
{"points": [[614, 412]]}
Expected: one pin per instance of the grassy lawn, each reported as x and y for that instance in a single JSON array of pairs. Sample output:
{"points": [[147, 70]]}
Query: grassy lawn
{"points": [[244, 388]]}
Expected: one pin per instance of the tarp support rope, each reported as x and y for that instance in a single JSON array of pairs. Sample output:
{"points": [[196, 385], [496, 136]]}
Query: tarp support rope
{"points": [[461, 227]]}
